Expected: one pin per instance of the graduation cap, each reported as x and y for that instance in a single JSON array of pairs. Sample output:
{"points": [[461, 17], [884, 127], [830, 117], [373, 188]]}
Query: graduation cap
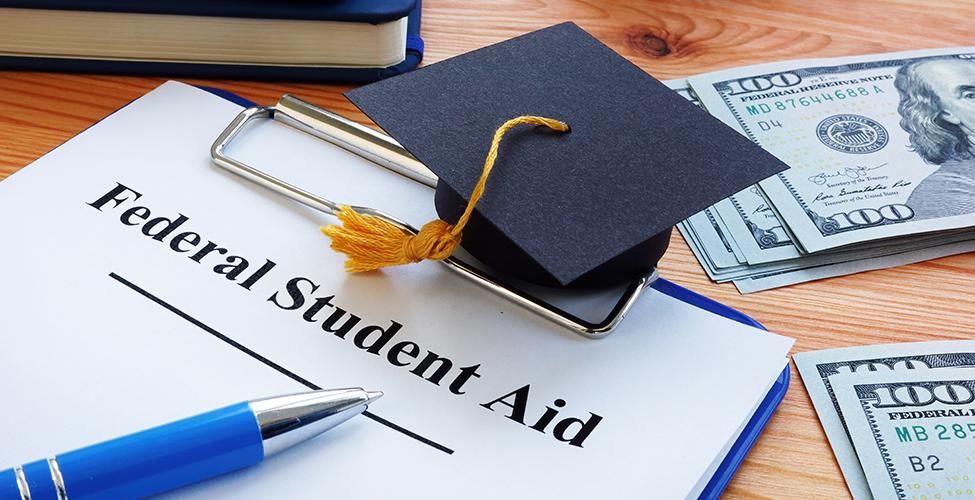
{"points": [[591, 206]]}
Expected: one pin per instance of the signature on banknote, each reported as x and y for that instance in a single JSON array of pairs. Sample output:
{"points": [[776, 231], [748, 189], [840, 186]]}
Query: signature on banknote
{"points": [[853, 173]]}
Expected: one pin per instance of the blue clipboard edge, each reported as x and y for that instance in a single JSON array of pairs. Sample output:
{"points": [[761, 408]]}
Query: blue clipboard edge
{"points": [[749, 435]]}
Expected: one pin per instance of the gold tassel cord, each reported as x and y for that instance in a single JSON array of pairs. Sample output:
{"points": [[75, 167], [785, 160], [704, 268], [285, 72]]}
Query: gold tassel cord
{"points": [[372, 243]]}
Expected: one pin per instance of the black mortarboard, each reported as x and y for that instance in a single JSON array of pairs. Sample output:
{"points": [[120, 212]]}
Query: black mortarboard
{"points": [[590, 207]]}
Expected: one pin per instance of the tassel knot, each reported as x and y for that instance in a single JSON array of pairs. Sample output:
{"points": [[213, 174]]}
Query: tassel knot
{"points": [[435, 241]]}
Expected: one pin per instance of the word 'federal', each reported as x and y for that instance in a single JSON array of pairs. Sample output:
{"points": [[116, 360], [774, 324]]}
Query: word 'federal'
{"points": [[159, 229], [324, 312]]}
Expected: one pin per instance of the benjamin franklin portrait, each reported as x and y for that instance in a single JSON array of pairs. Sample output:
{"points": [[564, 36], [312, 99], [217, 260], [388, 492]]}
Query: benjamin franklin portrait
{"points": [[937, 109]]}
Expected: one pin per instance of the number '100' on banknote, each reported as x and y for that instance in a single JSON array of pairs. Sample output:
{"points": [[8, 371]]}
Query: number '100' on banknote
{"points": [[879, 146]]}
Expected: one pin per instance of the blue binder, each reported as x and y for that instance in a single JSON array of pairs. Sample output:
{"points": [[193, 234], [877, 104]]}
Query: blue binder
{"points": [[369, 11], [736, 455]]}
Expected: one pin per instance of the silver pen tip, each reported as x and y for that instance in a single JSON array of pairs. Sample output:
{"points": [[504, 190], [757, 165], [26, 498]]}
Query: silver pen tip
{"points": [[290, 419]]}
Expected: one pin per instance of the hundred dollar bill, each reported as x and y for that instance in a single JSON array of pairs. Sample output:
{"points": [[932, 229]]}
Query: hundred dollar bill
{"points": [[914, 433], [879, 146], [770, 260], [820, 369]]}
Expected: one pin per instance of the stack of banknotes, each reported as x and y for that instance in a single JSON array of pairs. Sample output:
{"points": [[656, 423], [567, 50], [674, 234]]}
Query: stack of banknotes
{"points": [[899, 417], [881, 150]]}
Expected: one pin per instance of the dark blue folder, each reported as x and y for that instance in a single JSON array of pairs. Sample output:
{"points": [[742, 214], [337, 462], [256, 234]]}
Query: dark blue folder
{"points": [[366, 11], [754, 427]]}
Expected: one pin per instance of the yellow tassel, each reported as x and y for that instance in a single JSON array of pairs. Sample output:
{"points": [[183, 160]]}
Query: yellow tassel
{"points": [[372, 243]]}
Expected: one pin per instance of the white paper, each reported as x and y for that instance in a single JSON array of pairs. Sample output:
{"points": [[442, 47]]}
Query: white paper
{"points": [[86, 357]]}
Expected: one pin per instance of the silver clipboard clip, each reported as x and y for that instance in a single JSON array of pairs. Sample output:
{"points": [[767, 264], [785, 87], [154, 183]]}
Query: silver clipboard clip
{"points": [[386, 152]]}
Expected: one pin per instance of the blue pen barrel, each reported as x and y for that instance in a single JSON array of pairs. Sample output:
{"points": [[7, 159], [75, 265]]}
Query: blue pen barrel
{"points": [[147, 462]]}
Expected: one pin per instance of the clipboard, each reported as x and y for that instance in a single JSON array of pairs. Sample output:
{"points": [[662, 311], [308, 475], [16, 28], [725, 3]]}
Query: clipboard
{"points": [[753, 428]]}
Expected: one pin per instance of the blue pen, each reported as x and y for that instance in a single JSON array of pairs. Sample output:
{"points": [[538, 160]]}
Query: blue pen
{"points": [[186, 451]]}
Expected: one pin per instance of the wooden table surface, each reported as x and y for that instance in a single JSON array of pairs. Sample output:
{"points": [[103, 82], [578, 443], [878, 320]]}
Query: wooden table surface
{"points": [[668, 39]]}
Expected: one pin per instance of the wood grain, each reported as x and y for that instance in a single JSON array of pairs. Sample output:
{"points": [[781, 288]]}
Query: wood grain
{"points": [[668, 39]]}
